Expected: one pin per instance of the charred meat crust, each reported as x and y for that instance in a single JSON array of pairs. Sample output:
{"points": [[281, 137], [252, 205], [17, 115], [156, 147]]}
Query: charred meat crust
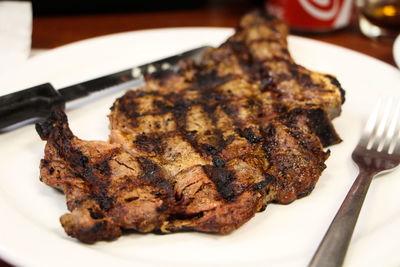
{"points": [[203, 148], [317, 122]]}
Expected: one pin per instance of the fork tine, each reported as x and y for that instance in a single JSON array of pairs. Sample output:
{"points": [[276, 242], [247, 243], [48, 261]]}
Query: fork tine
{"points": [[395, 145], [369, 130], [396, 148], [392, 135], [382, 125]]}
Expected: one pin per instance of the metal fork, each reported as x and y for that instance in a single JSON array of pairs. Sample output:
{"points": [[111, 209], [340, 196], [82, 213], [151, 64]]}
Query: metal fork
{"points": [[377, 152]]}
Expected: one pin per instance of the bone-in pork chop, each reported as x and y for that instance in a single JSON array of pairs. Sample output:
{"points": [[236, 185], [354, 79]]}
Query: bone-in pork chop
{"points": [[203, 148]]}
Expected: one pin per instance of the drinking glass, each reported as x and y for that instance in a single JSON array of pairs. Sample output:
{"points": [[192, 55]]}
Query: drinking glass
{"points": [[379, 19]]}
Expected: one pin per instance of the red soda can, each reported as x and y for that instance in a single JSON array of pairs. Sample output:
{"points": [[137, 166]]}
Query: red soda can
{"points": [[312, 15]]}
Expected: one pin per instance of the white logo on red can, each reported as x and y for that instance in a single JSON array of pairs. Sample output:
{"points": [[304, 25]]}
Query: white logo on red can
{"points": [[323, 9], [312, 15]]}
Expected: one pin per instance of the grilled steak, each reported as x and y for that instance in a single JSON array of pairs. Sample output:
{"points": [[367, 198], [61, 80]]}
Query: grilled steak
{"points": [[203, 148]]}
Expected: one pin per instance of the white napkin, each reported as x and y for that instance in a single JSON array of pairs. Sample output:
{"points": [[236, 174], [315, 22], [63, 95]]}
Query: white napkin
{"points": [[15, 34]]}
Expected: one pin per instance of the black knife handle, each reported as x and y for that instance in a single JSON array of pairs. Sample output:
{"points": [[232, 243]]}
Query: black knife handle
{"points": [[34, 102]]}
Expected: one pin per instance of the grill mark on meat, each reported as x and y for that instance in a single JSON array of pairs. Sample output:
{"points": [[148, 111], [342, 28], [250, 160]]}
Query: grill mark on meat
{"points": [[298, 136], [98, 187], [267, 83], [269, 142], [129, 109], [208, 80], [269, 40], [250, 136], [321, 126], [214, 151], [181, 106], [210, 99], [95, 214], [222, 178], [280, 108], [82, 169], [183, 216], [161, 75], [130, 199], [218, 162], [301, 77], [208, 149], [240, 50], [260, 72], [148, 143], [317, 121], [232, 112], [191, 138], [152, 175], [261, 185], [253, 67], [103, 167]]}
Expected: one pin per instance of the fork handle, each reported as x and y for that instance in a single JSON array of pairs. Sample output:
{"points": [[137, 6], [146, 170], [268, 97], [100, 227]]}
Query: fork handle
{"points": [[333, 247]]}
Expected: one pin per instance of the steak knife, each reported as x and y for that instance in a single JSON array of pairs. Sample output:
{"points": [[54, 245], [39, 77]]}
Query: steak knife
{"points": [[37, 102]]}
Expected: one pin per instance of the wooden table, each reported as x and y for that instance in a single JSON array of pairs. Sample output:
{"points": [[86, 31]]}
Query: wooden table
{"points": [[53, 31]]}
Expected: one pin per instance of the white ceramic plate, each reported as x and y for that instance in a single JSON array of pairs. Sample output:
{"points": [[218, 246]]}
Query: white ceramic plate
{"points": [[396, 50], [283, 235]]}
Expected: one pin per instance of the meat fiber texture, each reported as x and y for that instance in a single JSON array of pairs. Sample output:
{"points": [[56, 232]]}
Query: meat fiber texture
{"points": [[203, 148]]}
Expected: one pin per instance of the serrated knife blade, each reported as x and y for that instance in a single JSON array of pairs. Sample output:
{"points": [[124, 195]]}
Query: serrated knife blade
{"points": [[38, 101]]}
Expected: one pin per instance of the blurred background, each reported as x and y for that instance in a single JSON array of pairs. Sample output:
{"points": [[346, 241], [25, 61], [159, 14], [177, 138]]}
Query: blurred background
{"points": [[59, 22], [56, 23], [48, 7]]}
